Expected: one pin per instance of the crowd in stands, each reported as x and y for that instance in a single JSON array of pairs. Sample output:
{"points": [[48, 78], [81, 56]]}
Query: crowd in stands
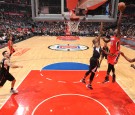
{"points": [[21, 26], [128, 27]]}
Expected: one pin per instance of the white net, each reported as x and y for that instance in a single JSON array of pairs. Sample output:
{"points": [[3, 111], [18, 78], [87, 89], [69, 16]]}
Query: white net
{"points": [[73, 25]]}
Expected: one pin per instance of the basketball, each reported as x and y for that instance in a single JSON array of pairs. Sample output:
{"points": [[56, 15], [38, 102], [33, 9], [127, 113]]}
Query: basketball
{"points": [[121, 6]]}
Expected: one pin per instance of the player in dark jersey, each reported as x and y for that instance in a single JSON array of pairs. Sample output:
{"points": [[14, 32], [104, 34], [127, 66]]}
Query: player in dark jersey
{"points": [[94, 60], [114, 53], [5, 75], [103, 54]]}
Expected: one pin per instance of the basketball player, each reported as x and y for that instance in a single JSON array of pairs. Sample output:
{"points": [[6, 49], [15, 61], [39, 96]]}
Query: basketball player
{"points": [[5, 75], [103, 54], [128, 59], [114, 53], [94, 60], [10, 45]]}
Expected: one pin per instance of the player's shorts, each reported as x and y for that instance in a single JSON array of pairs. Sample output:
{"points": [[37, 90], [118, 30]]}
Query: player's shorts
{"points": [[113, 59], [5, 77]]}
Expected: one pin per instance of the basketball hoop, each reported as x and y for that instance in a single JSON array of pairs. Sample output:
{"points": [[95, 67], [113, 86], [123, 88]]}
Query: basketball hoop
{"points": [[73, 25], [73, 22]]}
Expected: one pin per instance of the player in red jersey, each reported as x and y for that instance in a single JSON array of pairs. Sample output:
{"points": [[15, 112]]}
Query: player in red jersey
{"points": [[114, 50], [10, 45], [114, 53]]}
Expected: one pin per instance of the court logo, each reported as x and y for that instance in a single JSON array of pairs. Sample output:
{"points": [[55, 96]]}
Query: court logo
{"points": [[68, 47]]}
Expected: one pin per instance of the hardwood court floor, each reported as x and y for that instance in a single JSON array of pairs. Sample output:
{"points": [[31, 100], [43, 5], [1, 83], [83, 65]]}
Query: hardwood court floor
{"points": [[34, 54]]}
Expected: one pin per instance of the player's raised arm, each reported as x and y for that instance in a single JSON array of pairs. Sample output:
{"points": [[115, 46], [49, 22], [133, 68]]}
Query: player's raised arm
{"points": [[119, 24], [101, 31], [121, 8]]}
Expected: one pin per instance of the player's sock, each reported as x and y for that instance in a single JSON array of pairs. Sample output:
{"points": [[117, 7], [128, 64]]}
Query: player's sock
{"points": [[13, 91], [114, 78]]}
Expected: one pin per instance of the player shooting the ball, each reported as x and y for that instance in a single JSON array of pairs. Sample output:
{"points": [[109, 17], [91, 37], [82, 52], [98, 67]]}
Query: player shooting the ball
{"points": [[114, 53]]}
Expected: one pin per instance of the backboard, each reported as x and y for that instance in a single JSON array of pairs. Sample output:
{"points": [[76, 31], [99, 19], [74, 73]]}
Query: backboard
{"points": [[88, 10]]}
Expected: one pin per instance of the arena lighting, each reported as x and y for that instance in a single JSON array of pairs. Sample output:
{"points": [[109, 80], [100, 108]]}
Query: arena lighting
{"points": [[2, 1]]}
